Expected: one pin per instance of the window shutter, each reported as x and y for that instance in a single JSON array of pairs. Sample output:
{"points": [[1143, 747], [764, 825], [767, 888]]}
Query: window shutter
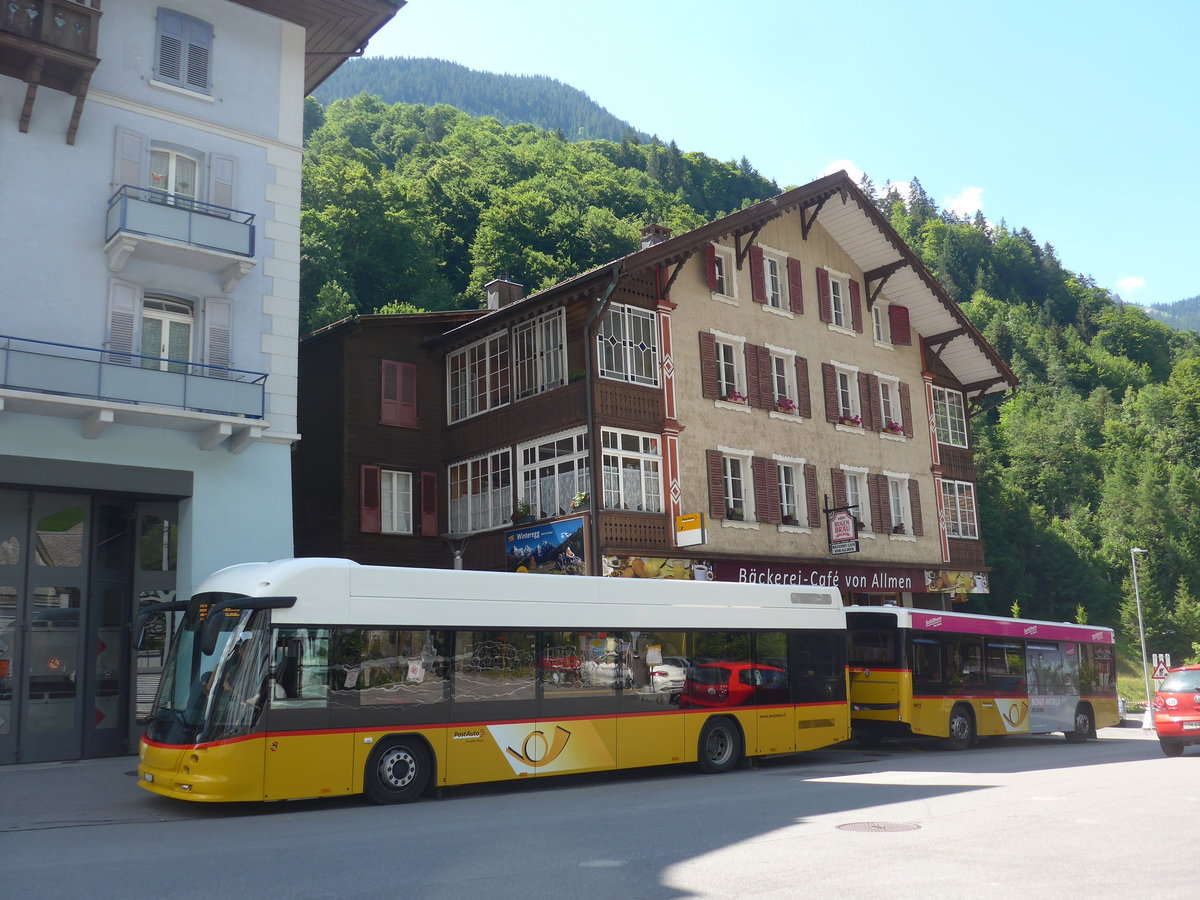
{"points": [[708, 366], [218, 335], [199, 38], [867, 408], [408, 395], [898, 322], [753, 393], [370, 515], [914, 496], [716, 485], [824, 299], [803, 400], [222, 172], [710, 266], [170, 46], [129, 159], [856, 306], [795, 286], [124, 319], [766, 490], [839, 488], [906, 409], [875, 419], [758, 278], [766, 379], [829, 377], [389, 392], [881, 504], [429, 504], [810, 490]]}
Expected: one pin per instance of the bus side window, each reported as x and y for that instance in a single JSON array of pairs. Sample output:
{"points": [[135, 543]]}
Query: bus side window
{"points": [[300, 668]]}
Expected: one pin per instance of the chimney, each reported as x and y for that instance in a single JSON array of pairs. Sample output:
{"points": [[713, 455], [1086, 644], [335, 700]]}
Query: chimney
{"points": [[501, 293], [654, 234]]}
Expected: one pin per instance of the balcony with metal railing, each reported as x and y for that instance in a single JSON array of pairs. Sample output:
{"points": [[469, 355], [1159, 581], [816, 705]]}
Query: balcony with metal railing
{"points": [[166, 228], [102, 388]]}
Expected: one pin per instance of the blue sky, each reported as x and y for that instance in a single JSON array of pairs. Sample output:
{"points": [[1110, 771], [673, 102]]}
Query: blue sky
{"points": [[1077, 120]]}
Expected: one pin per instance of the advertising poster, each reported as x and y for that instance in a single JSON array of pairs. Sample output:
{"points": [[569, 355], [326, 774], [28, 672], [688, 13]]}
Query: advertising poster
{"points": [[556, 548]]}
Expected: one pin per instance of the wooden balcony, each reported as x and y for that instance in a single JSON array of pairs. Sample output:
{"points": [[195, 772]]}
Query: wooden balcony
{"points": [[633, 531], [50, 43]]}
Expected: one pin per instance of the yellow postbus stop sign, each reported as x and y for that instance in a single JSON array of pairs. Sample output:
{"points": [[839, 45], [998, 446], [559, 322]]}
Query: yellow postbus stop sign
{"points": [[689, 530]]}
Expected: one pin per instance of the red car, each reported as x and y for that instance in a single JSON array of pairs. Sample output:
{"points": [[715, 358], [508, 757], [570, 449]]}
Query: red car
{"points": [[734, 684], [1177, 710]]}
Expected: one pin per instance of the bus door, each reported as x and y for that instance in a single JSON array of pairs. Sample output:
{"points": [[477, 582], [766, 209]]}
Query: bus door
{"points": [[305, 757], [1053, 675], [773, 691]]}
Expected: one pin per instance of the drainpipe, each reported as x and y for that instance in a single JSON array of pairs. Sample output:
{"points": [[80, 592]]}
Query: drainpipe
{"points": [[594, 449]]}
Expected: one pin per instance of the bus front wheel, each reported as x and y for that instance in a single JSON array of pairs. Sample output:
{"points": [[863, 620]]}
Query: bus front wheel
{"points": [[720, 746], [962, 728], [1084, 728], [397, 772]]}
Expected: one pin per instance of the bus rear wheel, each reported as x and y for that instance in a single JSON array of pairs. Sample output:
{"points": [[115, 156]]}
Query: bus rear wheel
{"points": [[720, 746], [397, 772], [1084, 728], [962, 728]]}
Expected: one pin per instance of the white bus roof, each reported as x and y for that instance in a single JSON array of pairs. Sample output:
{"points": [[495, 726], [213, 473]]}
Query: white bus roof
{"points": [[339, 591], [999, 626]]}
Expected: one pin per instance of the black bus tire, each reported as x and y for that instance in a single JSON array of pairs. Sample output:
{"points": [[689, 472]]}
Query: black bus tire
{"points": [[1084, 728], [398, 771], [720, 746], [962, 728]]}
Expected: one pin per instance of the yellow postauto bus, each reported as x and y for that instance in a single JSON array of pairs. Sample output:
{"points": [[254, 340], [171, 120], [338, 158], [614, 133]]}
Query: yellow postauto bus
{"points": [[322, 678], [959, 676]]}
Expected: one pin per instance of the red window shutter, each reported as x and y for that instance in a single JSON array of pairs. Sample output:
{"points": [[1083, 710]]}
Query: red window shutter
{"points": [[898, 324], [766, 378], [710, 266], [810, 490], [758, 277], [914, 496], [708, 366], [389, 393], [753, 384], [803, 400], [716, 484], [429, 504], [369, 513], [856, 306], [795, 286], [766, 490], [881, 507], [824, 299], [839, 488], [867, 409], [875, 419], [829, 378], [408, 395], [906, 409]]}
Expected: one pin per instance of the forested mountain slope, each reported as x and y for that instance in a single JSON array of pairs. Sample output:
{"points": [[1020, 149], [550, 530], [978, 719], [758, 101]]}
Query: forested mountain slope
{"points": [[1180, 314], [1097, 451], [513, 99]]}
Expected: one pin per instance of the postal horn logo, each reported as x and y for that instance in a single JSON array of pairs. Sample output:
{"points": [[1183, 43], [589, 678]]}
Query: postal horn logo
{"points": [[537, 751]]}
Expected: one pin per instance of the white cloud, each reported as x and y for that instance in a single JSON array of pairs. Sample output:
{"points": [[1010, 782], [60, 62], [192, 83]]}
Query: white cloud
{"points": [[1131, 283], [967, 203], [837, 165]]}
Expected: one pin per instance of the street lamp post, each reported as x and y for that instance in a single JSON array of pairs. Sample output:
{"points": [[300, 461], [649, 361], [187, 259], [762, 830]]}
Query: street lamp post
{"points": [[1148, 718]]}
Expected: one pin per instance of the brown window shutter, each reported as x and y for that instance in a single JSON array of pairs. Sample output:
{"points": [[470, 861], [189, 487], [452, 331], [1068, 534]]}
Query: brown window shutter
{"points": [[716, 485], [753, 382], [708, 366], [856, 314], [824, 300], [766, 378], [810, 490], [803, 400], [881, 507], [710, 266], [839, 488], [795, 286], [370, 516], [866, 409], [829, 378], [898, 323], [389, 393], [758, 277], [875, 419], [408, 395], [429, 504], [906, 409], [914, 495], [766, 491]]}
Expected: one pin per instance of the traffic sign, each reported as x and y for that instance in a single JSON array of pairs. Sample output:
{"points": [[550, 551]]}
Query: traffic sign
{"points": [[1160, 672]]}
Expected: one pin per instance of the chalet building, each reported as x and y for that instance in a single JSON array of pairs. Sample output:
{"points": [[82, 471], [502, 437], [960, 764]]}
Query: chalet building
{"points": [[739, 388], [149, 305]]}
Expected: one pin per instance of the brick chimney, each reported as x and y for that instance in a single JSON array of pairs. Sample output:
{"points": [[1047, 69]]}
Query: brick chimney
{"points": [[501, 293], [654, 234]]}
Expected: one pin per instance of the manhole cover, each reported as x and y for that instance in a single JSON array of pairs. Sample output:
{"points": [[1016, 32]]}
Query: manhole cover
{"points": [[878, 826]]}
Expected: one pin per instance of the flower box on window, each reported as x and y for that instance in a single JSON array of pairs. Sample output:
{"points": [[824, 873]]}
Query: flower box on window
{"points": [[853, 421], [790, 520], [899, 528], [734, 397], [522, 513], [785, 405], [580, 501], [893, 427], [734, 513]]}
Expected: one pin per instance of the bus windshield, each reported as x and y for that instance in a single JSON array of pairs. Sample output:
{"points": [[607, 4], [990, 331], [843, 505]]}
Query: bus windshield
{"points": [[212, 697]]}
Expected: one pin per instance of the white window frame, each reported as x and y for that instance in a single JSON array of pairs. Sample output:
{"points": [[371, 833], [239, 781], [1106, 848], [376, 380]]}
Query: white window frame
{"points": [[837, 302], [726, 280], [949, 417], [484, 492], [552, 470], [729, 352], [167, 311], [783, 375], [624, 452], [846, 388], [395, 502], [960, 509], [775, 282], [627, 345], [899, 502], [169, 190], [800, 492], [856, 476], [890, 407], [881, 326], [538, 354], [486, 361]]}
